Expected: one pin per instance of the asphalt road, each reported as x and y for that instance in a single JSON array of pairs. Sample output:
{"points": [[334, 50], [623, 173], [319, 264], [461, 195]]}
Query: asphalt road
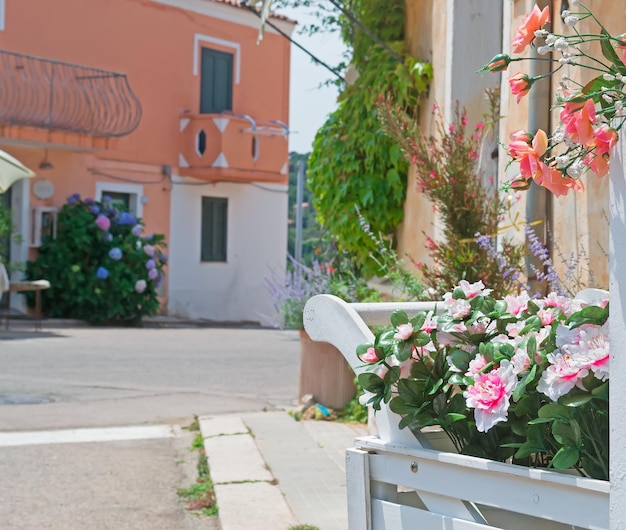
{"points": [[81, 377], [62, 380]]}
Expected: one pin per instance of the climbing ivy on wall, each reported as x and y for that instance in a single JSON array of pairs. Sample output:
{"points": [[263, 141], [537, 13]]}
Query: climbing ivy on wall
{"points": [[353, 163]]}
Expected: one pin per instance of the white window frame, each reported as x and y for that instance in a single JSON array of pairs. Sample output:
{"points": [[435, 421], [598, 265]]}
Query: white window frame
{"points": [[39, 212], [135, 191], [2, 14]]}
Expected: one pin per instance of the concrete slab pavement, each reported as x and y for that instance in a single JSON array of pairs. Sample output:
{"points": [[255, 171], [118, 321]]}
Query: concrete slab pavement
{"points": [[306, 461]]}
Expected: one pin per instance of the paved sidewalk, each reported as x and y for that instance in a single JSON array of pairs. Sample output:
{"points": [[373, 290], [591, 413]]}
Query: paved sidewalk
{"points": [[272, 472]]}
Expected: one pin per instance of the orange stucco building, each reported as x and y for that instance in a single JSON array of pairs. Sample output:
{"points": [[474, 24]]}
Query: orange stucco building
{"points": [[170, 106]]}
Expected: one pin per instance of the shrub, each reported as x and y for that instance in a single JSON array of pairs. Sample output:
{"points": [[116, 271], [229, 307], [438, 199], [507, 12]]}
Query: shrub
{"points": [[100, 267]]}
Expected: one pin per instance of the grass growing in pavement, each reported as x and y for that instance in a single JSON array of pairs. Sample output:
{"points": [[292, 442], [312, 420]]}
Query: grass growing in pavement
{"points": [[303, 527], [200, 497]]}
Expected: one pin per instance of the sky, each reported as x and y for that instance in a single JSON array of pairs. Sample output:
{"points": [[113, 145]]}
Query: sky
{"points": [[310, 103]]}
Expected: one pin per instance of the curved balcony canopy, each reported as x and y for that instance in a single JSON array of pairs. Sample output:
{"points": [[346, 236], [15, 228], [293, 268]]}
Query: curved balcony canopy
{"points": [[56, 95]]}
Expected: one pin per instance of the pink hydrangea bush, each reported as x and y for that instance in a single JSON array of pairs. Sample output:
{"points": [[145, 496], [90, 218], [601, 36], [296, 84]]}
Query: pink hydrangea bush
{"points": [[521, 379]]}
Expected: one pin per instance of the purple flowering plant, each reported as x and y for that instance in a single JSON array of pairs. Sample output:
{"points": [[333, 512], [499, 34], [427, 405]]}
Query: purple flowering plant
{"points": [[513, 379], [100, 266], [290, 289]]}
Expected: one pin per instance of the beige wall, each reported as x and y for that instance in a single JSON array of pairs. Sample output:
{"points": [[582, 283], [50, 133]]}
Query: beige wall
{"points": [[578, 222]]}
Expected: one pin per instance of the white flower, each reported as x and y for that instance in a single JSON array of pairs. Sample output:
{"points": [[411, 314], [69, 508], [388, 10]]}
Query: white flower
{"points": [[541, 33], [608, 77], [576, 169], [543, 50], [560, 44], [550, 39], [562, 160], [571, 20]]}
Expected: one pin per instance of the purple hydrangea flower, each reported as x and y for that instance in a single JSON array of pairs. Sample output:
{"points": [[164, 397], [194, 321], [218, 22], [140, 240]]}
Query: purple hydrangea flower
{"points": [[103, 222], [158, 281], [115, 253], [140, 286], [126, 218], [149, 237], [108, 237], [106, 199], [73, 199], [95, 210], [152, 274], [137, 230], [149, 250], [102, 273], [163, 257], [150, 264], [88, 201]]}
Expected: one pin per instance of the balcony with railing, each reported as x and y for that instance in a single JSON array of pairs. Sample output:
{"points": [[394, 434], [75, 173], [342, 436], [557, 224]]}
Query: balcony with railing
{"points": [[60, 97], [233, 147]]}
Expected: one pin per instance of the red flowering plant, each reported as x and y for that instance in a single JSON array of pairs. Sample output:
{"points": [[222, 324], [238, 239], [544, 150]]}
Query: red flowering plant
{"points": [[514, 379], [591, 115], [450, 173]]}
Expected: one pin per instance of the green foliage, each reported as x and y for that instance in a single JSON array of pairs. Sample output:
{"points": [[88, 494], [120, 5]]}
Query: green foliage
{"points": [[352, 162], [101, 275], [6, 229], [200, 496], [444, 370]]}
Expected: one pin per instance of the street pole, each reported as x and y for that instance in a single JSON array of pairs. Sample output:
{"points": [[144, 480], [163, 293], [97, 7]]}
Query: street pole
{"points": [[299, 196]]}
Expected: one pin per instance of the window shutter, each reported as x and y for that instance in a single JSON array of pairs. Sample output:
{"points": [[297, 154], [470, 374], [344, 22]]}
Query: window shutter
{"points": [[214, 229], [216, 81]]}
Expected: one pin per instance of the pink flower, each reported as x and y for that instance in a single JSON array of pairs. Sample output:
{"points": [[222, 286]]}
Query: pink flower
{"points": [[103, 222], [563, 373], [520, 85], [404, 332], [546, 316], [520, 361], [490, 394], [457, 308], [532, 22], [604, 139], [476, 365], [578, 120], [370, 356], [473, 289], [430, 324], [517, 304]]}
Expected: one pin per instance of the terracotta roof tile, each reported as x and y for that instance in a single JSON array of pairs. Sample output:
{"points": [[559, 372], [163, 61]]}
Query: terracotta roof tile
{"points": [[237, 3]]}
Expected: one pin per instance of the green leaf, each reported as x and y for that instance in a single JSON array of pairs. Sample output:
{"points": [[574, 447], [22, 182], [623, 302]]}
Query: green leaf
{"points": [[555, 411], [399, 317], [575, 399], [371, 382], [404, 349], [601, 392], [565, 458], [609, 53], [392, 375], [460, 359]]}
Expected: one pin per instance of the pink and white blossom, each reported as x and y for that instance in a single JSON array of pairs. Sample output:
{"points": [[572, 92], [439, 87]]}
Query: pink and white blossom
{"points": [[404, 332], [474, 289], [476, 365], [457, 308], [370, 356], [490, 396], [546, 316], [520, 361], [517, 304], [430, 323]]}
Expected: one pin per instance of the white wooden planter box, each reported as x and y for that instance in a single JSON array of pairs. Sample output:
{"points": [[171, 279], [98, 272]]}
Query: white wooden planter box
{"points": [[397, 481]]}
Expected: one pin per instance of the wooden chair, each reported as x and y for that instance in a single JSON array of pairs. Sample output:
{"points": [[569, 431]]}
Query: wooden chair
{"points": [[396, 480], [22, 286]]}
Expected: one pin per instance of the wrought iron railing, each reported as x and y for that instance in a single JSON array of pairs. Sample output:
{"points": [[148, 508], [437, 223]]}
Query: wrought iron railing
{"points": [[57, 95]]}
